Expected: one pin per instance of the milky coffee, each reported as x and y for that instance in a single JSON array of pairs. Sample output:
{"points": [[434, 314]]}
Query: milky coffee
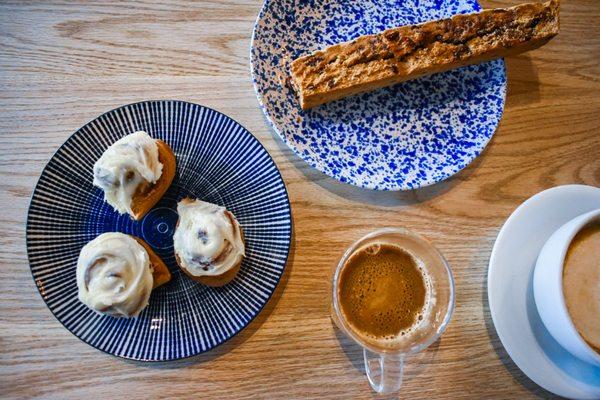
{"points": [[581, 283]]}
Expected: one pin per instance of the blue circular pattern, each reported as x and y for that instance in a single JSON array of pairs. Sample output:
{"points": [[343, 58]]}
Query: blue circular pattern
{"points": [[158, 227], [403, 137], [217, 161]]}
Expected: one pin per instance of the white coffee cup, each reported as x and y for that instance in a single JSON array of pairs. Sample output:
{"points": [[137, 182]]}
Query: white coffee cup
{"points": [[548, 289]]}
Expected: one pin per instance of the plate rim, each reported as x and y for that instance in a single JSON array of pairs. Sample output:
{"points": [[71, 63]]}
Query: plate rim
{"points": [[315, 165], [283, 270], [494, 254]]}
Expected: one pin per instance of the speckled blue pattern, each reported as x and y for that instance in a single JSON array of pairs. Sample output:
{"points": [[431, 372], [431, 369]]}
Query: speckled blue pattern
{"points": [[398, 138]]}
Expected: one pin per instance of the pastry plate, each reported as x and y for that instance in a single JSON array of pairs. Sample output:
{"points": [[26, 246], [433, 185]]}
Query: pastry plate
{"points": [[398, 138], [510, 293], [217, 161]]}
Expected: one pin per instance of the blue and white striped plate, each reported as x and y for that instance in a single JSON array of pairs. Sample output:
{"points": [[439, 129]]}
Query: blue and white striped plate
{"points": [[398, 138], [217, 161]]}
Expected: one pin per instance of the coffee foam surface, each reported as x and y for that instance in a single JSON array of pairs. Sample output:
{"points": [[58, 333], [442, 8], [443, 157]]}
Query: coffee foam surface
{"points": [[422, 319]]}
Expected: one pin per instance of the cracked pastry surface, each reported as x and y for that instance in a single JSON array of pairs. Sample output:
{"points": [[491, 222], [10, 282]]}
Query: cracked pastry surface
{"points": [[407, 52]]}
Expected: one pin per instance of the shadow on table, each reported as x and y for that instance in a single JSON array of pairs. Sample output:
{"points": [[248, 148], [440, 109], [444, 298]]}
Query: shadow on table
{"points": [[379, 198], [503, 356], [245, 334], [523, 90], [522, 80], [415, 365]]}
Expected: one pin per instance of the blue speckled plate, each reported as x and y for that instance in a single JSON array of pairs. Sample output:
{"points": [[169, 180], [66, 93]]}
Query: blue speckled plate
{"points": [[217, 161], [403, 137]]}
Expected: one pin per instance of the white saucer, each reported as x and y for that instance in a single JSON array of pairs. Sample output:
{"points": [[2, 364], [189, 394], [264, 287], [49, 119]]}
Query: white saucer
{"points": [[510, 294]]}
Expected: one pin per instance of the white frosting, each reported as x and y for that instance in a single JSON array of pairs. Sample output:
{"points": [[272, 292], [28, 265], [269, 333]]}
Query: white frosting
{"points": [[208, 239], [126, 164], [114, 275]]}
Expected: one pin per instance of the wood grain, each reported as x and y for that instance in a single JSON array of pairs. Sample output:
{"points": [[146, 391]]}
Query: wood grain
{"points": [[62, 64]]}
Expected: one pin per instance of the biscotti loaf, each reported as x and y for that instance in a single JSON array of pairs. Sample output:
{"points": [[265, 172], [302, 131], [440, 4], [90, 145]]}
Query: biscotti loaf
{"points": [[399, 54]]}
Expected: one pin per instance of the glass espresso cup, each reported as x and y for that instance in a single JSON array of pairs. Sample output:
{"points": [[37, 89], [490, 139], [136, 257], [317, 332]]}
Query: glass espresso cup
{"points": [[384, 363]]}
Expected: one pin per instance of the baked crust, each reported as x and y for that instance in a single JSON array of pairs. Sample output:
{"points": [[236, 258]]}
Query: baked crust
{"points": [[399, 54], [214, 281], [160, 271], [146, 196]]}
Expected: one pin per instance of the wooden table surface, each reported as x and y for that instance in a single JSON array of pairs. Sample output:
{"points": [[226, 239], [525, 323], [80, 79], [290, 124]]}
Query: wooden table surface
{"points": [[62, 64]]}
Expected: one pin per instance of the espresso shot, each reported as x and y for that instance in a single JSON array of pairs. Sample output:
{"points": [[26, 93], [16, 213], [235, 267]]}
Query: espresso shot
{"points": [[383, 292]]}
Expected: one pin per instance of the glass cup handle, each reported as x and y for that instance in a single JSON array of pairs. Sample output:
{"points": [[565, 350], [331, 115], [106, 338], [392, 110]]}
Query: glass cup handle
{"points": [[384, 371]]}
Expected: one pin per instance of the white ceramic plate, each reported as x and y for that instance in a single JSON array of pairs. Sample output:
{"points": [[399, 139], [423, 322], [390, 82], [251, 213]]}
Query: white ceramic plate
{"points": [[510, 293]]}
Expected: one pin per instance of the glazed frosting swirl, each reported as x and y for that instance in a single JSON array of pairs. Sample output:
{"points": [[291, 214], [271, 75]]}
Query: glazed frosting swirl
{"points": [[129, 162], [114, 275], [208, 239]]}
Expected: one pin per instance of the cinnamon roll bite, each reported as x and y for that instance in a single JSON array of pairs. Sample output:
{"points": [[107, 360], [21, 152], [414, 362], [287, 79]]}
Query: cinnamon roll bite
{"points": [[208, 241], [134, 173], [116, 273]]}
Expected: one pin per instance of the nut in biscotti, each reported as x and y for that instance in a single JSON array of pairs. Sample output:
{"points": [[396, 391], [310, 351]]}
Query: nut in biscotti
{"points": [[399, 54]]}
